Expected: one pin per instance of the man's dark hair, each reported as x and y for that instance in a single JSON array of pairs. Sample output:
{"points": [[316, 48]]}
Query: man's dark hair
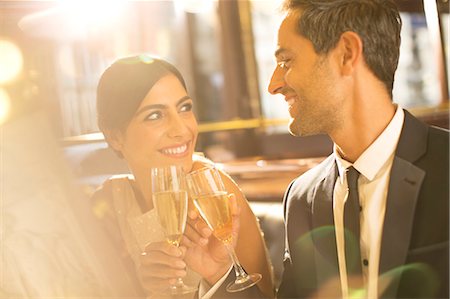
{"points": [[377, 22]]}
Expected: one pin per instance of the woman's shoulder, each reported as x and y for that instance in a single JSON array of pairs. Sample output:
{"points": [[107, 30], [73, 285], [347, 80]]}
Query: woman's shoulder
{"points": [[109, 183], [200, 161], [105, 192]]}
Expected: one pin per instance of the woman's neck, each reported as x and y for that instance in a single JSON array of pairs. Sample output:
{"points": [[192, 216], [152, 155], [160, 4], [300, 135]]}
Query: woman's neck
{"points": [[143, 195]]}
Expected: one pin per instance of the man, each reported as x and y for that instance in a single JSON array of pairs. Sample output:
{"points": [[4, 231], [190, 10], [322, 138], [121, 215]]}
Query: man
{"points": [[335, 66]]}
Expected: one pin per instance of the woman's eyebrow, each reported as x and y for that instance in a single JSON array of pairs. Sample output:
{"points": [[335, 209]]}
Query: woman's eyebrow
{"points": [[183, 99], [149, 107]]}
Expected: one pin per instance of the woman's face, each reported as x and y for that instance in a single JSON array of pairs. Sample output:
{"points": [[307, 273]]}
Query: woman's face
{"points": [[163, 131]]}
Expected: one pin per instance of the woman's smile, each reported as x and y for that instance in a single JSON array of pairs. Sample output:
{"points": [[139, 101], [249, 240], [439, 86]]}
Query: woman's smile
{"points": [[176, 151]]}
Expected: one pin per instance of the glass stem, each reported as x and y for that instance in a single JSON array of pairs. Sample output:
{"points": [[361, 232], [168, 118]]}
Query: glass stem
{"points": [[241, 275]]}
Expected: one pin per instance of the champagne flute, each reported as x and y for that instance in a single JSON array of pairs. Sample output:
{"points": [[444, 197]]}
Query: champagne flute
{"points": [[211, 199], [170, 199]]}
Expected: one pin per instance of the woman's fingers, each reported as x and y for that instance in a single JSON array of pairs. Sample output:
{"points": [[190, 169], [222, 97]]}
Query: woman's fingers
{"points": [[161, 271], [161, 264], [157, 285], [164, 247], [160, 258], [162, 254]]}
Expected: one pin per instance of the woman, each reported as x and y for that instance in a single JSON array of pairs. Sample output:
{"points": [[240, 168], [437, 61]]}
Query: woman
{"points": [[147, 118]]}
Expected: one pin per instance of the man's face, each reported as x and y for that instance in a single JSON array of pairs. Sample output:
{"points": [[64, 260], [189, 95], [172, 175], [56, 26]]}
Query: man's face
{"points": [[307, 80]]}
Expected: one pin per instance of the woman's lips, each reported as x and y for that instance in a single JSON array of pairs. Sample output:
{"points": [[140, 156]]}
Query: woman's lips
{"points": [[176, 151]]}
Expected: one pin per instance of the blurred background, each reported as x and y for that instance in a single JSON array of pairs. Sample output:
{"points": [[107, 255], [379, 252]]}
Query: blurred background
{"points": [[53, 52]]}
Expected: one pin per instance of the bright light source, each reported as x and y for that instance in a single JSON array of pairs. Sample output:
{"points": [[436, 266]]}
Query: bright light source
{"points": [[195, 6], [74, 19], [11, 61], [92, 14], [431, 15], [5, 105]]}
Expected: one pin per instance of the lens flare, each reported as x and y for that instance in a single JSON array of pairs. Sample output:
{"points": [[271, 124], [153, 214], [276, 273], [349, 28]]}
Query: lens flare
{"points": [[11, 61], [5, 105]]}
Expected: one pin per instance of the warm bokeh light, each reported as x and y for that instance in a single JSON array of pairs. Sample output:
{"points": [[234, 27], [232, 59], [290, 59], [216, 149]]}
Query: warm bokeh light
{"points": [[5, 105], [92, 14], [195, 6], [11, 61], [74, 19]]}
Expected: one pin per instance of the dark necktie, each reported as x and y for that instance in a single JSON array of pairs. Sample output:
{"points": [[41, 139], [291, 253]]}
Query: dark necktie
{"points": [[351, 225]]}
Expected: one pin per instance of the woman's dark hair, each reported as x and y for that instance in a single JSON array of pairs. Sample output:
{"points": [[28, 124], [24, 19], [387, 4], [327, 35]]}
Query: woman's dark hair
{"points": [[124, 85]]}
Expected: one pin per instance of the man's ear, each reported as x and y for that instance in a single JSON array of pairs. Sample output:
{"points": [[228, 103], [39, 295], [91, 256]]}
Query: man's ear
{"points": [[114, 138], [350, 47]]}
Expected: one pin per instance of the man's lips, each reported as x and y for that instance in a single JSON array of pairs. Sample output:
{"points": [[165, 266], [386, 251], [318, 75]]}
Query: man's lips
{"points": [[290, 100]]}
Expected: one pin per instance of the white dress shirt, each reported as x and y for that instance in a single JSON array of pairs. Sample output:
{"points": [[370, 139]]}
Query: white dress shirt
{"points": [[374, 165]]}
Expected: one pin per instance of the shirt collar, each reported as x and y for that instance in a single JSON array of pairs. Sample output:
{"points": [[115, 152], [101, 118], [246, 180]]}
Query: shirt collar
{"points": [[377, 154]]}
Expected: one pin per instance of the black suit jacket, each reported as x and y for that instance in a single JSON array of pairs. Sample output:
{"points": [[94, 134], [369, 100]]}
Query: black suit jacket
{"points": [[414, 249]]}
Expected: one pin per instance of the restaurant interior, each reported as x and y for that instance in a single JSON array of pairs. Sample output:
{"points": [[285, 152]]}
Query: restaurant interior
{"points": [[52, 54]]}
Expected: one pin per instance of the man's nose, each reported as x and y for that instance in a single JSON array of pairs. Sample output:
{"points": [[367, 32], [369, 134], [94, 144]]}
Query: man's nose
{"points": [[276, 83]]}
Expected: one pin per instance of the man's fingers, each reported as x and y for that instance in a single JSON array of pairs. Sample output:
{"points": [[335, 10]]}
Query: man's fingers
{"points": [[234, 207], [193, 214], [197, 232]]}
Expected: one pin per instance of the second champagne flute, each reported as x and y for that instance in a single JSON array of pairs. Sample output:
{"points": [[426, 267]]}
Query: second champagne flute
{"points": [[211, 199], [170, 199]]}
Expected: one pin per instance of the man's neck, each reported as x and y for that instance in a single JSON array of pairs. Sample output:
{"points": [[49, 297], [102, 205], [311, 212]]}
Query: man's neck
{"points": [[361, 130]]}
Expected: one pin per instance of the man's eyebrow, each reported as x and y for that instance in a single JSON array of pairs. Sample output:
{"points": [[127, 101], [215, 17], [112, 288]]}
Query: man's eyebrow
{"points": [[279, 51]]}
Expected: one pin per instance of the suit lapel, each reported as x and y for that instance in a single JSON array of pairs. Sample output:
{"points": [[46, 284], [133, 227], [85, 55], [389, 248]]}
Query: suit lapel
{"points": [[323, 233], [404, 187]]}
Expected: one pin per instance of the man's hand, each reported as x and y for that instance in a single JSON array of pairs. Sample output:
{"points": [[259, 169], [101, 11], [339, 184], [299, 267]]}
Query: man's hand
{"points": [[206, 254]]}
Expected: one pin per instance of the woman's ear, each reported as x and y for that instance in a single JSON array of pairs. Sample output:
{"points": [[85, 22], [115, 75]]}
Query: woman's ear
{"points": [[114, 138], [351, 52]]}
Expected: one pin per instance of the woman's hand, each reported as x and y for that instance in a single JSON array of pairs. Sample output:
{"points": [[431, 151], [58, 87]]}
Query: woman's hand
{"points": [[205, 253], [161, 264]]}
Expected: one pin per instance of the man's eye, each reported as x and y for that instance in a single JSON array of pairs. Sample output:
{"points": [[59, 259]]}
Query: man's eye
{"points": [[154, 115], [186, 107], [284, 64]]}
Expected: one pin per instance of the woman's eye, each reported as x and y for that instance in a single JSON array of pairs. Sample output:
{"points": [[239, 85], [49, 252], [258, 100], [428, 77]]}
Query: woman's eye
{"points": [[186, 107], [154, 115]]}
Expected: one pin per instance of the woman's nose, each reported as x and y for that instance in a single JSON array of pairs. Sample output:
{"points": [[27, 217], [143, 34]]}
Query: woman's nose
{"points": [[177, 126], [276, 83]]}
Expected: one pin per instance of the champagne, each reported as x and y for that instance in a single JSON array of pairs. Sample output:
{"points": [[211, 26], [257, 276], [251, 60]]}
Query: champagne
{"points": [[215, 210], [211, 199], [171, 207]]}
